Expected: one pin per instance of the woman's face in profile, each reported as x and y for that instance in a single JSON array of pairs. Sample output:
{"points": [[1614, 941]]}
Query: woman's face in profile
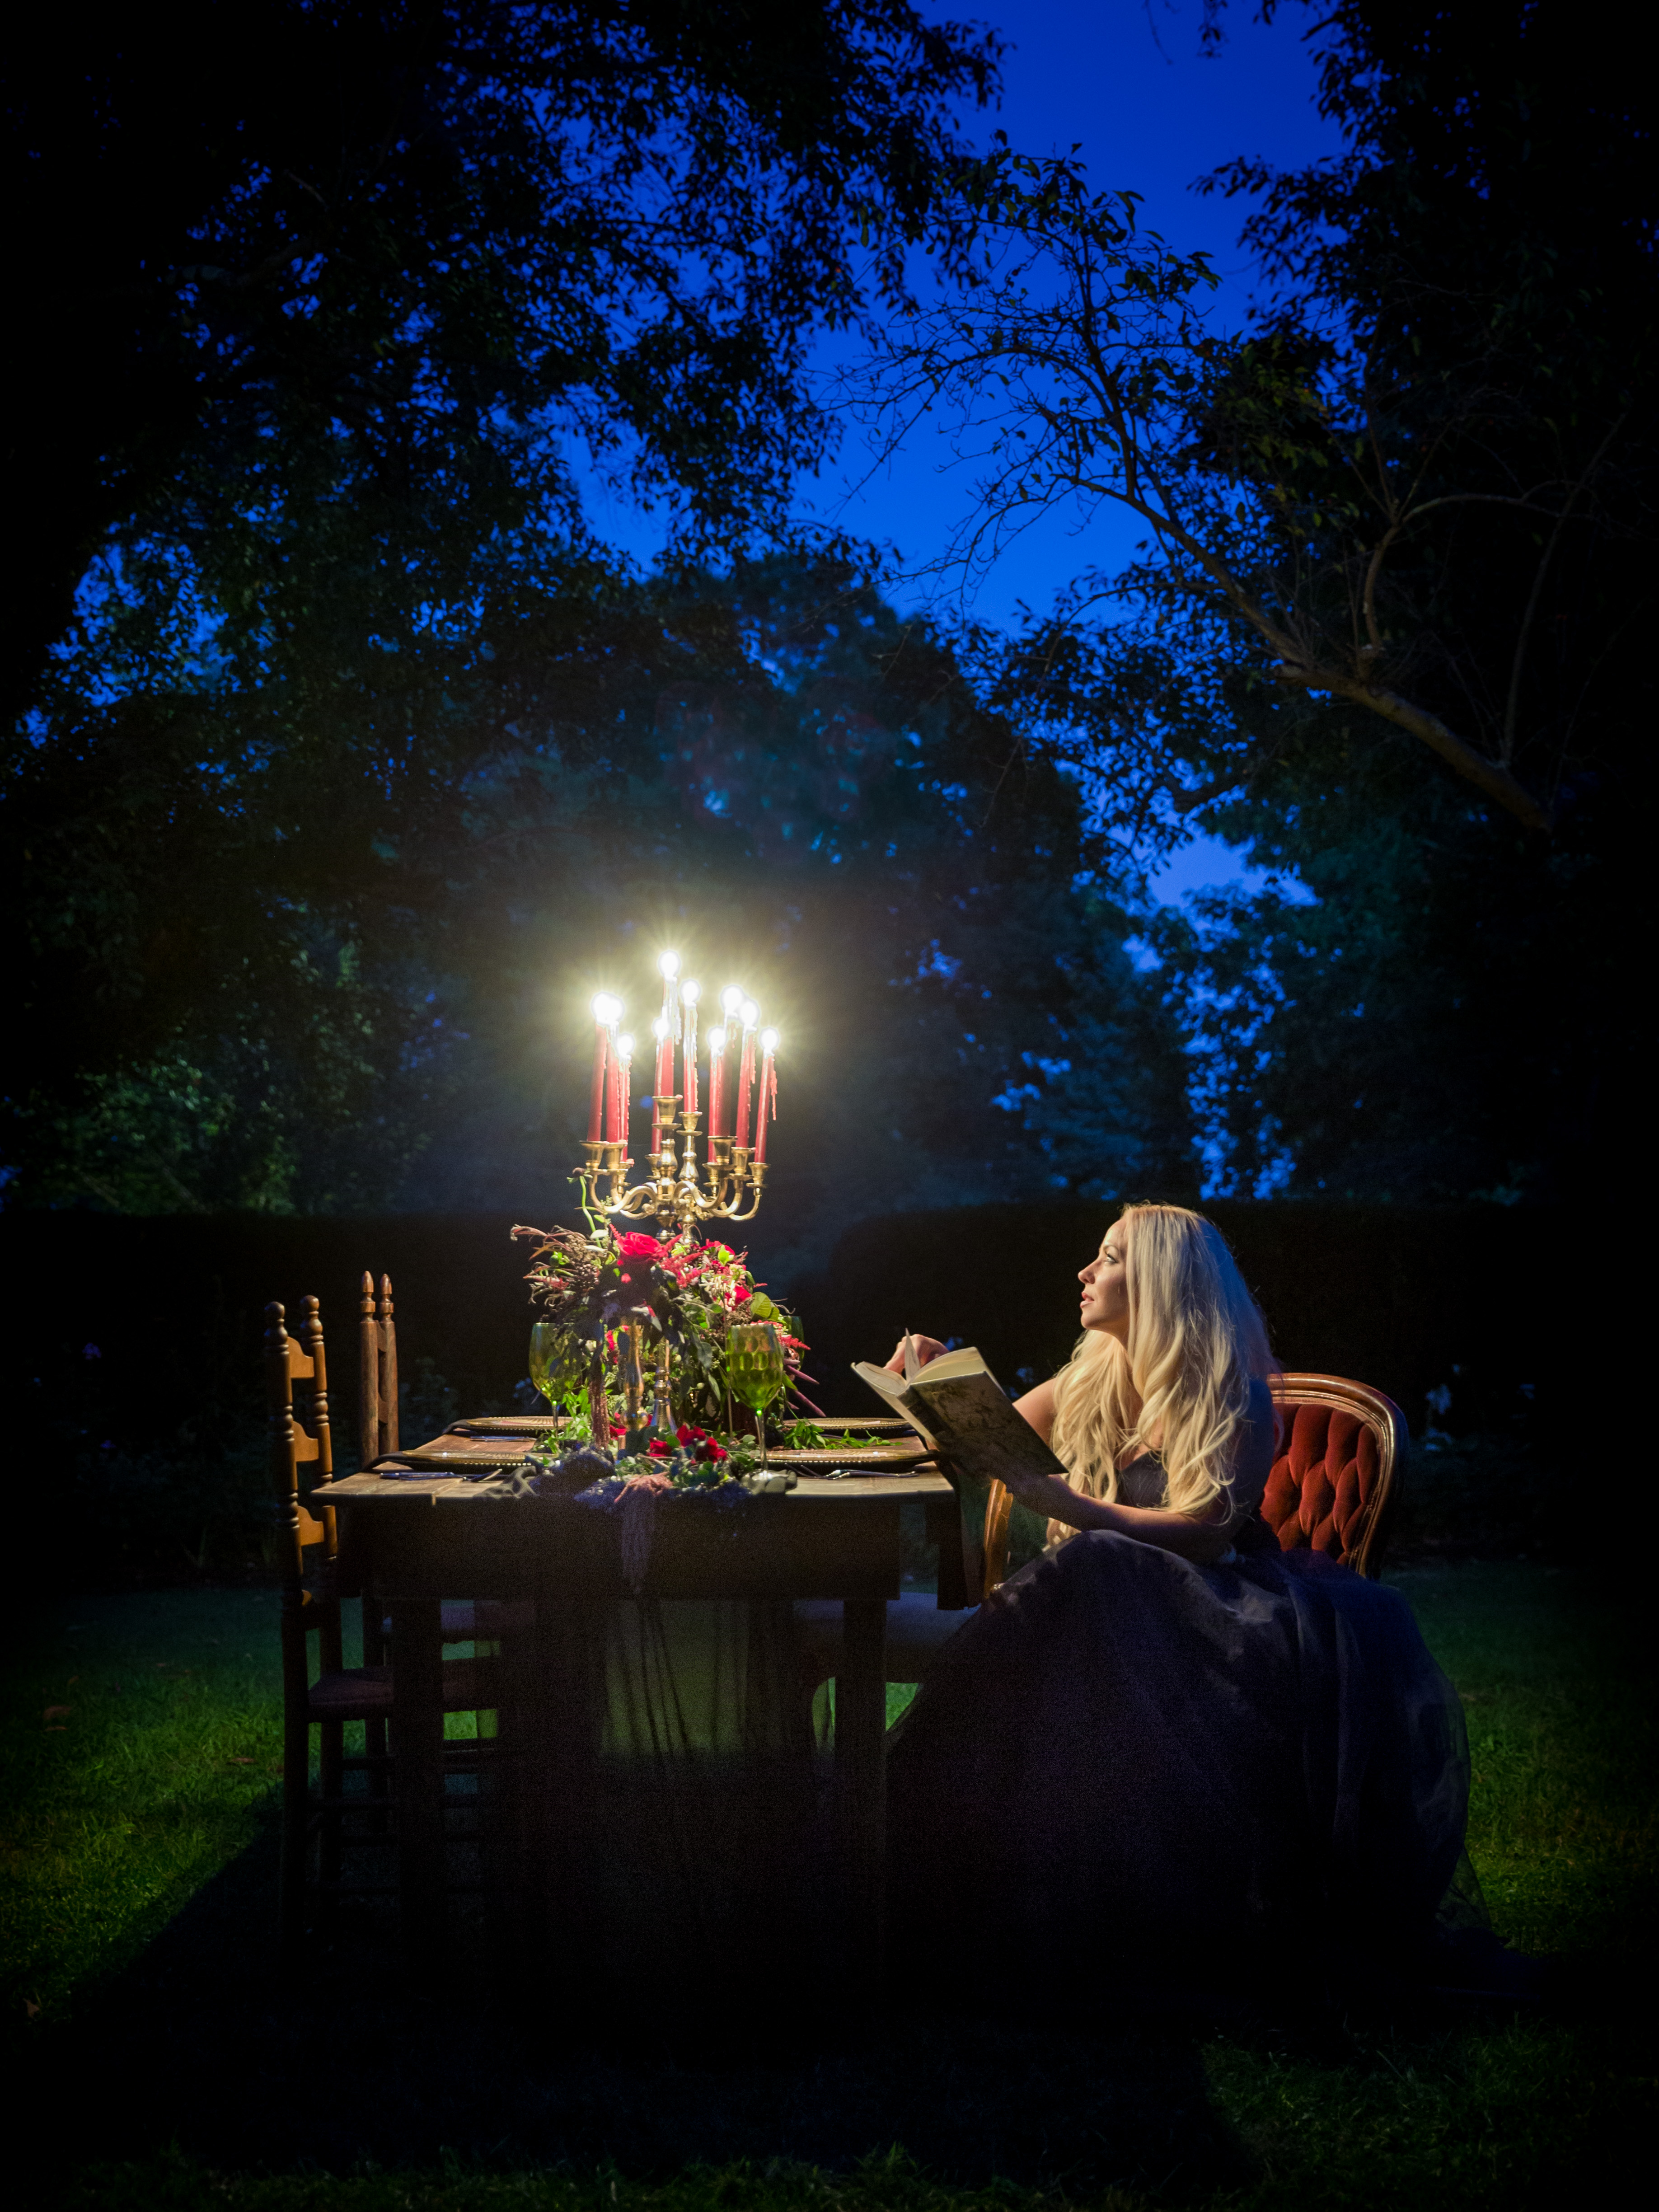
{"points": [[1105, 1302]]}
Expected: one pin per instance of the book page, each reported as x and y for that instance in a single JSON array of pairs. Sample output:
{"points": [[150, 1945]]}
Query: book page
{"points": [[891, 1387], [949, 1364], [976, 1423], [900, 1395], [956, 1405]]}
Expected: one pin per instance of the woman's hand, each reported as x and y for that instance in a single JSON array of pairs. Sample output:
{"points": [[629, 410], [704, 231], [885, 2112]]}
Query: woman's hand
{"points": [[927, 1348]]}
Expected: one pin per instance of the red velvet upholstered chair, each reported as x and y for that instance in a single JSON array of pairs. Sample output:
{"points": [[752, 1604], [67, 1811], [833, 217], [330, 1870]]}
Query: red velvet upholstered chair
{"points": [[1341, 1446], [1334, 1473]]}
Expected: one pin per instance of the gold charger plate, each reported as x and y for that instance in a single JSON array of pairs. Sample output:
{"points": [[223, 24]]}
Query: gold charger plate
{"points": [[899, 1456], [452, 1454], [501, 1441], [538, 1424]]}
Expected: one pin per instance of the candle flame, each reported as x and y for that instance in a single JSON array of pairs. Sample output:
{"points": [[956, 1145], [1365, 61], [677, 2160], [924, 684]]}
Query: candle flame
{"points": [[625, 1048], [659, 1029], [768, 1040], [606, 1009], [670, 964], [731, 1000], [690, 993], [751, 1013], [717, 1040]]}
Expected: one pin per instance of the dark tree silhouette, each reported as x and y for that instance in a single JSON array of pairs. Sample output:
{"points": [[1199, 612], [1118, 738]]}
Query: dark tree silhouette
{"points": [[413, 254]]}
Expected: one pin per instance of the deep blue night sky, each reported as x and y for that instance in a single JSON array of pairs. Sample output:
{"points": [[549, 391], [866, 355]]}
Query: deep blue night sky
{"points": [[1125, 81], [1150, 115]]}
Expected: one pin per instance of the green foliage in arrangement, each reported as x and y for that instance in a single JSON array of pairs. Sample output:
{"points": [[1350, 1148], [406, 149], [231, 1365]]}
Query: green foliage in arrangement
{"points": [[128, 1802], [693, 1294]]}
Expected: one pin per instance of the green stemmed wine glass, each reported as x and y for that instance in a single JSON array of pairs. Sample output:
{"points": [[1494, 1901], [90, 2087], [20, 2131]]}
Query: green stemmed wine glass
{"points": [[556, 1366], [755, 1372]]}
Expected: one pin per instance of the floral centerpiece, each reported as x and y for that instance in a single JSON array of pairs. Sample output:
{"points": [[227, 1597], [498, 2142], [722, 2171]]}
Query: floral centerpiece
{"points": [[619, 1299]]}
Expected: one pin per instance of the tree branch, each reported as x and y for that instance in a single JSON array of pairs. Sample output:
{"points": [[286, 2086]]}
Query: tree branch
{"points": [[1512, 704], [1184, 799], [1489, 775]]}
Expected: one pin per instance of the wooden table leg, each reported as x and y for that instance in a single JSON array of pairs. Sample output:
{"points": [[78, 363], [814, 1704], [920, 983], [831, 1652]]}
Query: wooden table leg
{"points": [[861, 1790], [945, 1534], [418, 1743]]}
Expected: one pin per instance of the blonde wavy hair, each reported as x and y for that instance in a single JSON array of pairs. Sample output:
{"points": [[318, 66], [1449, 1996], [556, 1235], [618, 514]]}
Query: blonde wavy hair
{"points": [[1196, 1342]]}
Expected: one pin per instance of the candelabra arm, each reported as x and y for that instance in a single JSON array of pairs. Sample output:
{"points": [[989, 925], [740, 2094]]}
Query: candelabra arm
{"points": [[755, 1171], [670, 1194]]}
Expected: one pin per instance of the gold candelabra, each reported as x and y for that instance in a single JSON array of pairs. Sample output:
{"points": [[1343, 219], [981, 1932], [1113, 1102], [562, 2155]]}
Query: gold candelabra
{"points": [[672, 1195]]}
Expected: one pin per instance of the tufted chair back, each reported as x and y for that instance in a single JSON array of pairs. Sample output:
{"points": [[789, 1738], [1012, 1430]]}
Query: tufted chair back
{"points": [[1340, 1448]]}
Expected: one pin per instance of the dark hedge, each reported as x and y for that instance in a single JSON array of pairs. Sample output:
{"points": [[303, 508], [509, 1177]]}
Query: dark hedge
{"points": [[133, 1370]]}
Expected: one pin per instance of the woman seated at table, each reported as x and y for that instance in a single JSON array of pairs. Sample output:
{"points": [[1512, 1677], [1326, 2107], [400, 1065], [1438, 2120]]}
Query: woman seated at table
{"points": [[1165, 1746]]}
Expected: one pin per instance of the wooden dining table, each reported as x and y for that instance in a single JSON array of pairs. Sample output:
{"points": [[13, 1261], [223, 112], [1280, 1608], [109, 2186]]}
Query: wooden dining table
{"points": [[416, 1540]]}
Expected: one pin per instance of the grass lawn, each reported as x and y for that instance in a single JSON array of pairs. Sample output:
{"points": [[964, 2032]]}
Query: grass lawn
{"points": [[141, 1738]]}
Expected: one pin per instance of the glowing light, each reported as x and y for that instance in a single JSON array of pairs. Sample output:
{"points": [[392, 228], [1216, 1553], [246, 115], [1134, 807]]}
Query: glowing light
{"points": [[606, 1009], [670, 964], [690, 993], [659, 1029], [625, 1048], [751, 1013], [768, 1040], [731, 1000], [717, 1040]]}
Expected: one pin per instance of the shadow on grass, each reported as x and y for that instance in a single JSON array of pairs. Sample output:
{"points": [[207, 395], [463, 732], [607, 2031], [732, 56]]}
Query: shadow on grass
{"points": [[196, 2045]]}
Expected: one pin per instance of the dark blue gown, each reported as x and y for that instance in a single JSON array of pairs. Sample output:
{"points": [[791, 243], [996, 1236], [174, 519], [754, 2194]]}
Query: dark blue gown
{"points": [[1126, 1765]]}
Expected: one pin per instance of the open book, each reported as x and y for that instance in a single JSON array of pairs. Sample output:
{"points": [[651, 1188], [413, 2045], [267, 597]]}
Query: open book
{"points": [[957, 1406]]}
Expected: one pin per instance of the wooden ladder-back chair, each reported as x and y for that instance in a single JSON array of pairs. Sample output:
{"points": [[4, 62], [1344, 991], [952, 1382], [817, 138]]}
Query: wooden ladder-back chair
{"points": [[377, 1396], [464, 1619], [377, 1432], [311, 1606]]}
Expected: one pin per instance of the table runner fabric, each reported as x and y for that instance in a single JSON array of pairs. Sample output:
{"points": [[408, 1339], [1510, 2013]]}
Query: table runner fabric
{"points": [[665, 1813]]}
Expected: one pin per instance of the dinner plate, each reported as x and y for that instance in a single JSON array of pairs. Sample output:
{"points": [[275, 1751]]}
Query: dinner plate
{"points": [[534, 1424], [899, 1456], [462, 1455], [453, 1455]]}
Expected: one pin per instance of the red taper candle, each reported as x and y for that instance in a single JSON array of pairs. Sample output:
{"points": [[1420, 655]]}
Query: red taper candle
{"points": [[616, 1094], [605, 1011], [663, 1076], [746, 1071], [622, 1060], [766, 1108], [689, 994], [716, 1083]]}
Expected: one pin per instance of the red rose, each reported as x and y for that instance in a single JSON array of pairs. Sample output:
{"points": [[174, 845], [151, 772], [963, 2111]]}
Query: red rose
{"points": [[740, 1295], [661, 1448], [633, 1246]]}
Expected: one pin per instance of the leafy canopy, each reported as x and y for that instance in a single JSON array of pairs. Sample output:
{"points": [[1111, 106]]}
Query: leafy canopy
{"points": [[411, 258]]}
